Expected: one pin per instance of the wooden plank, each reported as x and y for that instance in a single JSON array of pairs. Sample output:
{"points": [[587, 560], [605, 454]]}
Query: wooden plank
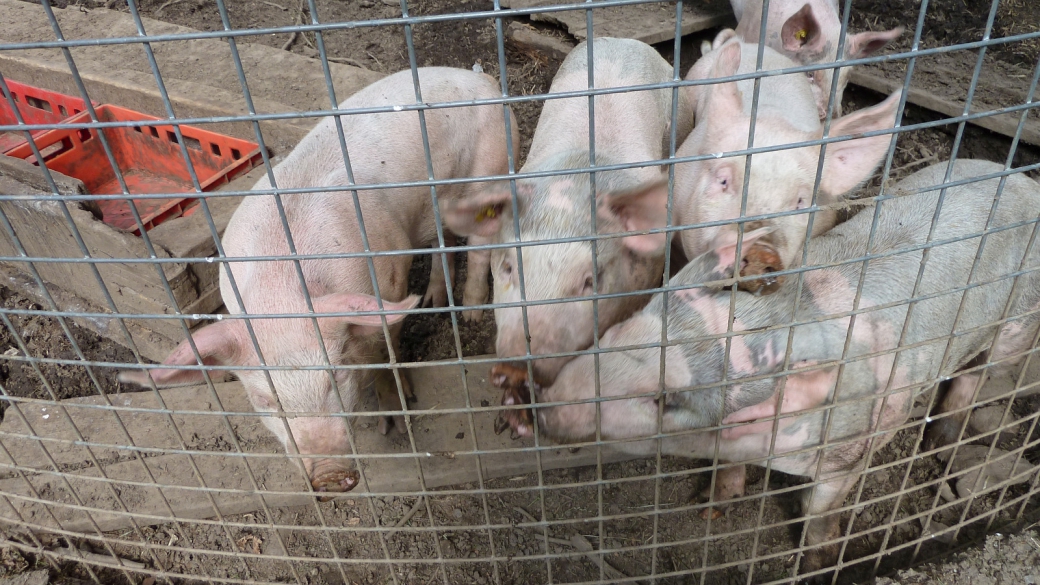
{"points": [[940, 81], [650, 23], [442, 441], [199, 75], [42, 229], [32, 176], [152, 345], [1006, 124]]}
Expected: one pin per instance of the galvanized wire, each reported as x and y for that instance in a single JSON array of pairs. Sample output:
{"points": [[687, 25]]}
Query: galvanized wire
{"points": [[37, 536]]}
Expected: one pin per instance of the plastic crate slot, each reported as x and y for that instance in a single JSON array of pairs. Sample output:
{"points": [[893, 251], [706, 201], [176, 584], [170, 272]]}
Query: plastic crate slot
{"points": [[38, 103], [53, 150], [62, 110], [149, 162]]}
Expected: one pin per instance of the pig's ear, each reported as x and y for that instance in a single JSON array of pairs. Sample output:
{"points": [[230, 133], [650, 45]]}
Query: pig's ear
{"points": [[720, 39], [480, 214], [640, 209], [849, 163], [864, 44], [801, 32], [360, 325], [725, 246], [724, 102], [220, 344]]}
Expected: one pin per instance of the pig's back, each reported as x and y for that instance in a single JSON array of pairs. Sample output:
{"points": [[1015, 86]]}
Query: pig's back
{"points": [[630, 126], [784, 96], [904, 224], [388, 147], [383, 148]]}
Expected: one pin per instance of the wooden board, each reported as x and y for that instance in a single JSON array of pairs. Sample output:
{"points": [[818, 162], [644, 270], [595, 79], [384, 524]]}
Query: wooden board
{"points": [[135, 288], [940, 83], [198, 74], [74, 429], [200, 78], [650, 23]]}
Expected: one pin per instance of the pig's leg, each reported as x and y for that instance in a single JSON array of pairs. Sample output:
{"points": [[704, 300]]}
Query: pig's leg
{"points": [[729, 484], [817, 501], [959, 397], [437, 291], [386, 389], [478, 264], [388, 399]]}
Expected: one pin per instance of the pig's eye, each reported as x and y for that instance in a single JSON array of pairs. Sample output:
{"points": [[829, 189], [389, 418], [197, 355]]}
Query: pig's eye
{"points": [[507, 268], [801, 203], [587, 290]]}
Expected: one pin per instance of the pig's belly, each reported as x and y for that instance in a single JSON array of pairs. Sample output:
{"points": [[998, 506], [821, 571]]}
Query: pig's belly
{"points": [[791, 451]]}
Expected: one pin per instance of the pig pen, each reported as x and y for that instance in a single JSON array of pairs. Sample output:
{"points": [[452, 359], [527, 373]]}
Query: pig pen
{"points": [[528, 527]]}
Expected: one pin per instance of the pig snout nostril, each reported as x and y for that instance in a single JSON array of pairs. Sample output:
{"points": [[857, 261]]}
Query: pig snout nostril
{"points": [[335, 481]]}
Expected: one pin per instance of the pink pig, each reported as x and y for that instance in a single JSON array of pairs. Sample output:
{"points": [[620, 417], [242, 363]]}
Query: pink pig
{"points": [[711, 190], [749, 387], [807, 32], [387, 147]]}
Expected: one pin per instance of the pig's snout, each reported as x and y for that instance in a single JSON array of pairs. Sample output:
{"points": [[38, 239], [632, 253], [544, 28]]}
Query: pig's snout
{"points": [[330, 476], [516, 389], [761, 258]]}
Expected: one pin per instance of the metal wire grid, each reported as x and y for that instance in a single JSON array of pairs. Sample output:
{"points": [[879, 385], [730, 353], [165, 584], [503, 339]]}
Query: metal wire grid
{"points": [[493, 558]]}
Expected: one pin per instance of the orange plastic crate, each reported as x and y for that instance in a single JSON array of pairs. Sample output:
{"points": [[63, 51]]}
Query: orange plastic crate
{"points": [[149, 159], [37, 106]]}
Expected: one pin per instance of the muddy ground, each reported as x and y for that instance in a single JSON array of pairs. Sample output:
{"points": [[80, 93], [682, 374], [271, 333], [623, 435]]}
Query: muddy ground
{"points": [[612, 507]]}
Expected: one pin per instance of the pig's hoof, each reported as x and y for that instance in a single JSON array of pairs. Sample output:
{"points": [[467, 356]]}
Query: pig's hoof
{"points": [[385, 422], [472, 316], [435, 298], [818, 559], [713, 513], [943, 432], [336, 481], [761, 259], [515, 390]]}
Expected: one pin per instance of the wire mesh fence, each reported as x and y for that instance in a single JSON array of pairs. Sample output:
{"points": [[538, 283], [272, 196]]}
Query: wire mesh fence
{"points": [[288, 274]]}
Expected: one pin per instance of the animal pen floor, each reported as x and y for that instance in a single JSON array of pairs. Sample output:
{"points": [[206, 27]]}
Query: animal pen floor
{"points": [[626, 492]]}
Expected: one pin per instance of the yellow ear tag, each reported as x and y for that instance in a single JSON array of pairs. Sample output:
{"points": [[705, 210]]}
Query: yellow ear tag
{"points": [[488, 212], [801, 35]]}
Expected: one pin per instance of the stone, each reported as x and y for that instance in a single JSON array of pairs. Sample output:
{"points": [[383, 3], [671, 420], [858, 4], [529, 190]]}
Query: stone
{"points": [[30, 578], [529, 37]]}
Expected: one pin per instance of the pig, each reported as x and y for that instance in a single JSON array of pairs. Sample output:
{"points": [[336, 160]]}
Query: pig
{"points": [[384, 147], [703, 399], [808, 33], [711, 190], [630, 127]]}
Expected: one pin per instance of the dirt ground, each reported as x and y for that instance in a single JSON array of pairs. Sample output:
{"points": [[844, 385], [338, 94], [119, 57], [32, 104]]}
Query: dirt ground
{"points": [[1005, 558], [612, 507]]}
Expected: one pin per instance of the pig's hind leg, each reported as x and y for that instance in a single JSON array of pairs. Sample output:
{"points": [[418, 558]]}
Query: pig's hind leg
{"points": [[389, 400], [1015, 338], [817, 501], [478, 264], [437, 291], [729, 484], [386, 389]]}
